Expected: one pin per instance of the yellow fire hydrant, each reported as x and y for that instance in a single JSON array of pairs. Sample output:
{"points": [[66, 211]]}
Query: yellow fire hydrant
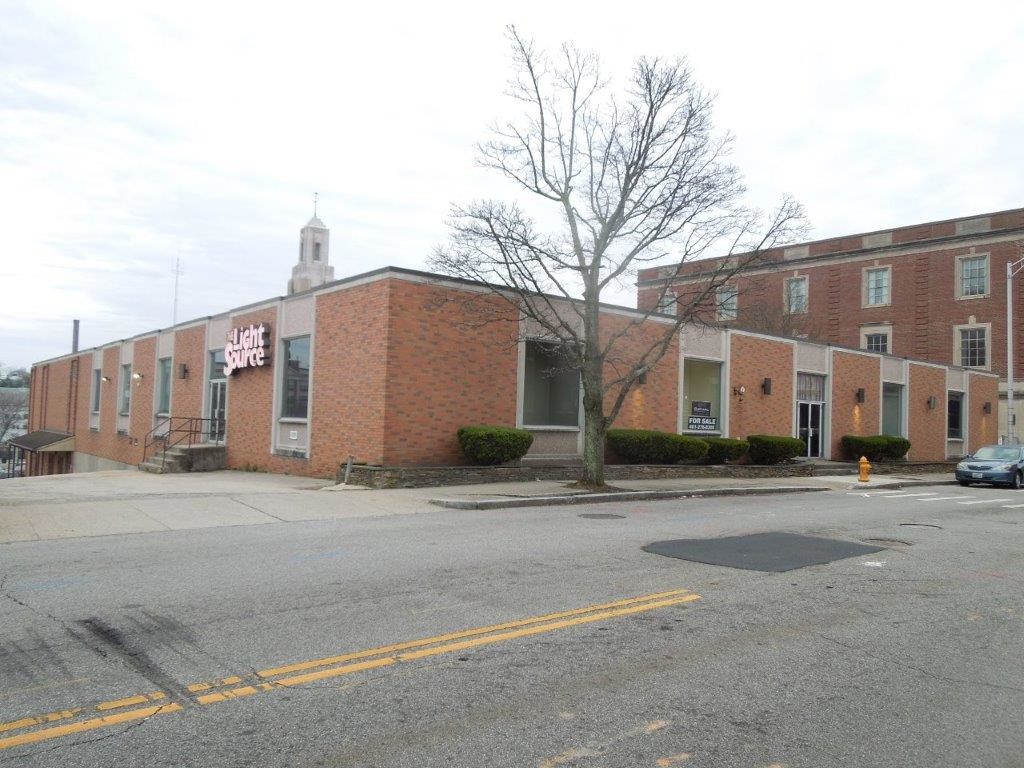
{"points": [[865, 469]]}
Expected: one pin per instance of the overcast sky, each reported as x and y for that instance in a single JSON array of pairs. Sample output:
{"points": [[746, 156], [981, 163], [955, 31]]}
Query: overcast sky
{"points": [[129, 137]]}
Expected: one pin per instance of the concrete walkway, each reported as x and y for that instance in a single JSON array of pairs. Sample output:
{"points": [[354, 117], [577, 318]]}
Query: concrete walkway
{"points": [[120, 502]]}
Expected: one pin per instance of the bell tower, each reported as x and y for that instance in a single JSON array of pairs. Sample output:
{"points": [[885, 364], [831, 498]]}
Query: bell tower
{"points": [[313, 268]]}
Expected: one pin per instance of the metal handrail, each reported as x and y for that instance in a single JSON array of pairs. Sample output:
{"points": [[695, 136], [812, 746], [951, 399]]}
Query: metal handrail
{"points": [[180, 429]]}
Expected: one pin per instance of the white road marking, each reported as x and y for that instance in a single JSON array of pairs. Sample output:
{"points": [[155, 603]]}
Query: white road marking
{"points": [[944, 498], [1012, 506], [984, 501]]}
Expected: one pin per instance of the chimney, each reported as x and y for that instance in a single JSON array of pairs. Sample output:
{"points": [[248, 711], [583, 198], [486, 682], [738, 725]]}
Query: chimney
{"points": [[74, 337]]}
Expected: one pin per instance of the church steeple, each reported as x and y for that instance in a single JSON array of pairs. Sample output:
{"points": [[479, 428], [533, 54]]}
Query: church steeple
{"points": [[313, 268]]}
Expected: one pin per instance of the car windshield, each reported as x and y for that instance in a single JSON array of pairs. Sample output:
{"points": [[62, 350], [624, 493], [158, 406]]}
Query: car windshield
{"points": [[998, 452]]}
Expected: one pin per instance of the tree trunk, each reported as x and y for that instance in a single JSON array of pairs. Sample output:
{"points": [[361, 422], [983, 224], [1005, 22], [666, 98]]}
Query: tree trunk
{"points": [[593, 394], [593, 443]]}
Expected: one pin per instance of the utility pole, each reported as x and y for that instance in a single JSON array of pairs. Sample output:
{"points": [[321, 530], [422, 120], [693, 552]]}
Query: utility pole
{"points": [[178, 271]]}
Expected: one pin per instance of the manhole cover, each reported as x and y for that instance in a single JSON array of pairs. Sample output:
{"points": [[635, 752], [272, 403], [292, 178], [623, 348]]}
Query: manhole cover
{"points": [[775, 552], [890, 542], [602, 516], [922, 525]]}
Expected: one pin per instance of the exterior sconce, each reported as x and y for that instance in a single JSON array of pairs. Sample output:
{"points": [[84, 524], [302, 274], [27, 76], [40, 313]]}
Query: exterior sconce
{"points": [[740, 390], [932, 402], [137, 376], [182, 371], [987, 408], [105, 379], [861, 395], [766, 386]]}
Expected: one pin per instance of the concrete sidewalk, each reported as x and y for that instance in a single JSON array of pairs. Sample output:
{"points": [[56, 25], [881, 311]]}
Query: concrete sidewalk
{"points": [[120, 502]]}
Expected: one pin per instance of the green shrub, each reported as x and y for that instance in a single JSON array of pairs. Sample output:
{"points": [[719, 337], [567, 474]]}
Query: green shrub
{"points": [[875, 447], [723, 449], [494, 445], [645, 446], [774, 449]]}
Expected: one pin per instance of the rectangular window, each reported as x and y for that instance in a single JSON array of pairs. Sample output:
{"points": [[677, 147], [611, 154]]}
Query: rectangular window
{"points": [[728, 304], [295, 402], [796, 295], [877, 286], [892, 409], [974, 276], [667, 304], [163, 383], [877, 342], [126, 389], [702, 395], [97, 380], [973, 348], [810, 387], [217, 364], [551, 389], [954, 420]]}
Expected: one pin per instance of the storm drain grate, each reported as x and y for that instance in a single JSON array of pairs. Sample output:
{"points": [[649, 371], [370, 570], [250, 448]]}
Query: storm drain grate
{"points": [[774, 552], [602, 516]]}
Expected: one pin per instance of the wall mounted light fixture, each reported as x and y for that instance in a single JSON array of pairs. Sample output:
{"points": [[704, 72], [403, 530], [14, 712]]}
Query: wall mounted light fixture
{"points": [[932, 402], [987, 407], [766, 386], [182, 371], [136, 376], [740, 391], [105, 379], [861, 395]]}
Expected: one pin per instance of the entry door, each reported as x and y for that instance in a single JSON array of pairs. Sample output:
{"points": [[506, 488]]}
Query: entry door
{"points": [[218, 409], [809, 427]]}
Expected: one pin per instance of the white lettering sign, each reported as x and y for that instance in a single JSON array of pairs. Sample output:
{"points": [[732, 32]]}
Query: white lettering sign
{"points": [[246, 348]]}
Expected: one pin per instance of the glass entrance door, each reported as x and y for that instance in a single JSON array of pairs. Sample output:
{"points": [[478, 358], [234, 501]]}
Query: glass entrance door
{"points": [[218, 409], [809, 419]]}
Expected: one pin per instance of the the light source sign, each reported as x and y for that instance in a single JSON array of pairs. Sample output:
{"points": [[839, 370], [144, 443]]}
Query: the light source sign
{"points": [[247, 347]]}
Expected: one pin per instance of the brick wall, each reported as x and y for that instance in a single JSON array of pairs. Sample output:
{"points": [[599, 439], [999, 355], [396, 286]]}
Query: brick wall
{"points": [[444, 371], [190, 349], [143, 407], [752, 360], [250, 408], [850, 372], [349, 354], [653, 405], [927, 426], [983, 428]]}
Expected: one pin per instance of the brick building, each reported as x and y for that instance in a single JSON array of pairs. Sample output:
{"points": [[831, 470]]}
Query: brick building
{"points": [[375, 366], [934, 292]]}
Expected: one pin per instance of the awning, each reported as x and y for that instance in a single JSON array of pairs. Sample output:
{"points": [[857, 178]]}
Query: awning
{"points": [[43, 440]]}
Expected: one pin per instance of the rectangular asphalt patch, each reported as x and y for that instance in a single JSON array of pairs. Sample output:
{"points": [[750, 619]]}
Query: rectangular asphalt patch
{"points": [[774, 552]]}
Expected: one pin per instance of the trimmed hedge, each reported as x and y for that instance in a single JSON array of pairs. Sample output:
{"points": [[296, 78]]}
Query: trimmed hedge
{"points": [[723, 449], [774, 449], [875, 447], [494, 445], [645, 446]]}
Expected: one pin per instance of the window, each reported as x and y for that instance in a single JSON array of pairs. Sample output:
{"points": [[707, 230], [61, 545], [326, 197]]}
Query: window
{"points": [[877, 285], [702, 395], [973, 347], [877, 342], [217, 364], [126, 389], [973, 276], [316, 251], [97, 380], [666, 304], [810, 387], [796, 295], [163, 396], [892, 409], [551, 389], [954, 419], [727, 299], [295, 402]]}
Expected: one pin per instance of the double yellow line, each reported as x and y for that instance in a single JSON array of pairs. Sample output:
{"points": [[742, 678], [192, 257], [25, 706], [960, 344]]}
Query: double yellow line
{"points": [[300, 673]]}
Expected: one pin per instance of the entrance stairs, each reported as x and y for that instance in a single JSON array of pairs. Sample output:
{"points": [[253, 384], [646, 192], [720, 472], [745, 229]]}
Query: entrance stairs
{"points": [[184, 458]]}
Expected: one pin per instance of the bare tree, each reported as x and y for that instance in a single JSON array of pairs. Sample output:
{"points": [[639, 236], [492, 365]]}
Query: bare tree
{"points": [[13, 404], [622, 181]]}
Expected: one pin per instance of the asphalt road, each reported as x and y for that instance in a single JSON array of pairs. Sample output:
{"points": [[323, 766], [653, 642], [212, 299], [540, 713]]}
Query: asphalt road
{"points": [[275, 644]]}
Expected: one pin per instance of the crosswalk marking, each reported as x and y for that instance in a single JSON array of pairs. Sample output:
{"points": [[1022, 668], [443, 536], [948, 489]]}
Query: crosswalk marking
{"points": [[1012, 506], [944, 498], [984, 501]]}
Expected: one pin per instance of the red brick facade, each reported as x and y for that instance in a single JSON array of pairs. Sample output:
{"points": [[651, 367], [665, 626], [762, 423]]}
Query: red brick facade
{"points": [[396, 369]]}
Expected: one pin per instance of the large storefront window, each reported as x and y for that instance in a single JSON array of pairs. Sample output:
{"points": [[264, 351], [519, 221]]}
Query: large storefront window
{"points": [[295, 403], [702, 396], [551, 393]]}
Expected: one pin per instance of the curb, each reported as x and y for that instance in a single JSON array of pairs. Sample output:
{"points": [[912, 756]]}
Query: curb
{"points": [[600, 498]]}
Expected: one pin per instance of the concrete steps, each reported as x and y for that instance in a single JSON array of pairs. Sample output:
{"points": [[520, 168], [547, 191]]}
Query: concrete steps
{"points": [[197, 458]]}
